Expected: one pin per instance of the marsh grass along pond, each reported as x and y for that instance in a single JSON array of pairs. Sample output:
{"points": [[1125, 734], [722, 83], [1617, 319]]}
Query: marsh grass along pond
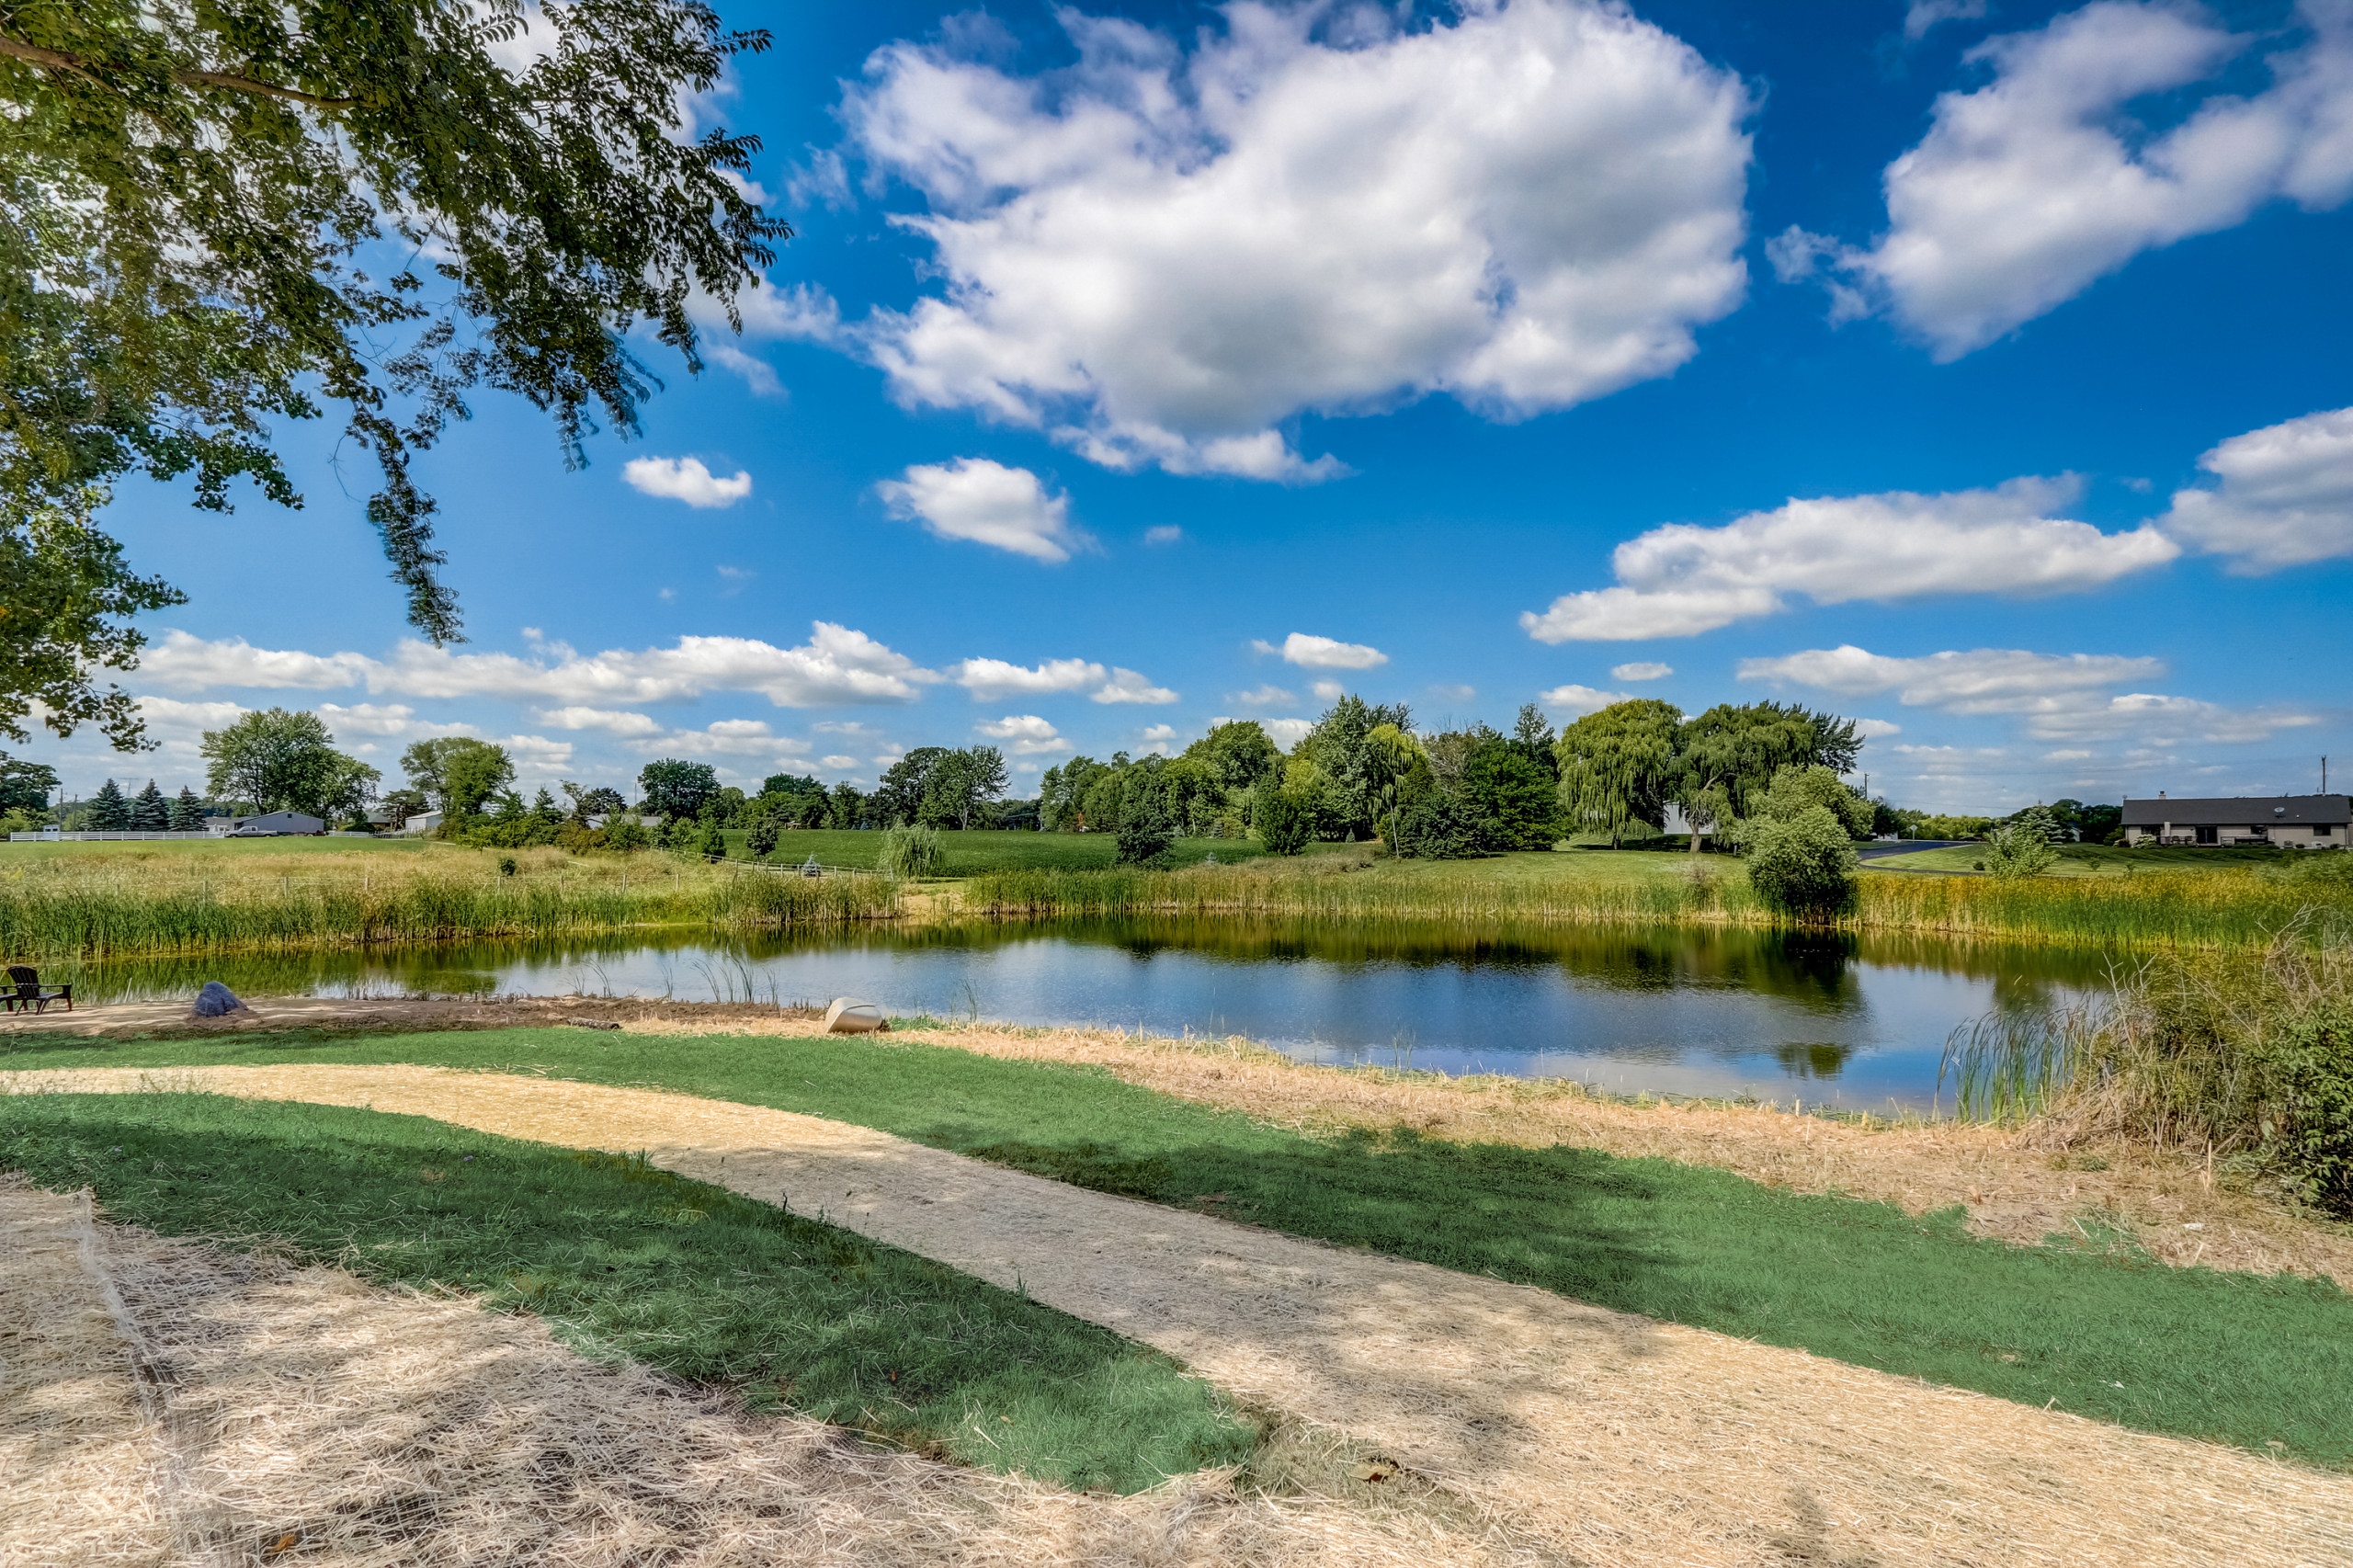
{"points": [[1854, 1020]]}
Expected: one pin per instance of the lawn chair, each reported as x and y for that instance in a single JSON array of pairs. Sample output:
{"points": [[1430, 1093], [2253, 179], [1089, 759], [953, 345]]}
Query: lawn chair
{"points": [[30, 993]]}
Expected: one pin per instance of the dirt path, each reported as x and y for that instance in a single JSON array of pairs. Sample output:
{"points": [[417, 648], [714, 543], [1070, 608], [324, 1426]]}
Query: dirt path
{"points": [[309, 1419], [1621, 1440]]}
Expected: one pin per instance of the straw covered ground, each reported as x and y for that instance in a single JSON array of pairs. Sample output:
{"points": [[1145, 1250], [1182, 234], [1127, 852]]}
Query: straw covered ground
{"points": [[297, 1416], [1604, 1437]]}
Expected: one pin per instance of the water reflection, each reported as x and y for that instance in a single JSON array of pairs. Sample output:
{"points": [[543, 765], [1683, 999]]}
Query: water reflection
{"points": [[1861, 1019]]}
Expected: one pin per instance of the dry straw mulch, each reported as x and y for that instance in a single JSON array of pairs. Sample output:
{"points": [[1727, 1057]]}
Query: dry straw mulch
{"points": [[302, 1417], [1612, 1439]]}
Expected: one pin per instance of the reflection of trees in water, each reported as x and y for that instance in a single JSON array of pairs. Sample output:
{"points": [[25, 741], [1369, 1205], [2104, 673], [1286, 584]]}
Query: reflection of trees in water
{"points": [[1812, 1061], [1813, 971]]}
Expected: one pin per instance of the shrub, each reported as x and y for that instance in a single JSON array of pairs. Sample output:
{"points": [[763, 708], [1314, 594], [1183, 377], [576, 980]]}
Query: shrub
{"points": [[1285, 823], [1144, 835], [2019, 849], [912, 852], [625, 831], [1440, 827], [1803, 866], [2313, 1141], [507, 867], [710, 844], [761, 840]]}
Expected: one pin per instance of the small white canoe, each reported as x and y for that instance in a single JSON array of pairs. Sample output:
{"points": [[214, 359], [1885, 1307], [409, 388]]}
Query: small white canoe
{"points": [[851, 1016]]}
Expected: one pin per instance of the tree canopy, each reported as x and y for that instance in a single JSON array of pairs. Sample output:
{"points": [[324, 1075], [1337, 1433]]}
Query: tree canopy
{"points": [[215, 215], [457, 772], [676, 788], [1620, 765], [285, 761]]}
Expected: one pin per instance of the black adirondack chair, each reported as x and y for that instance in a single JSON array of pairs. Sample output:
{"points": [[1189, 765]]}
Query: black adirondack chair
{"points": [[27, 992]]}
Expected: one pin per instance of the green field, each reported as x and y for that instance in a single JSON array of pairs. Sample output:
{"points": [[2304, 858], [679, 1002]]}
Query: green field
{"points": [[623, 1259], [2097, 1329], [2101, 859], [981, 850]]}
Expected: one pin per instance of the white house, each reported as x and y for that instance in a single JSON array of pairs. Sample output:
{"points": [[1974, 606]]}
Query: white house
{"points": [[2294, 822]]}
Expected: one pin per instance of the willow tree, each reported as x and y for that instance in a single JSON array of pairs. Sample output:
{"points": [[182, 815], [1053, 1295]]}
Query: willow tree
{"points": [[1620, 765], [219, 215]]}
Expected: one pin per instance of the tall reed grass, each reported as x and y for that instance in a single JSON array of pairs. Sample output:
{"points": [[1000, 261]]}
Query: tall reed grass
{"points": [[2215, 909], [120, 908], [2244, 1057]]}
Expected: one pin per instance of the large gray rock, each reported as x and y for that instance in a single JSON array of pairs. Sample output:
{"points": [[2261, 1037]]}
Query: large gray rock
{"points": [[216, 1000]]}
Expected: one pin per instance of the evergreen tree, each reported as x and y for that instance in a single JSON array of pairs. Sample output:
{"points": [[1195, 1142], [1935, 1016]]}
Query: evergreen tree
{"points": [[150, 813], [109, 813], [187, 813]]}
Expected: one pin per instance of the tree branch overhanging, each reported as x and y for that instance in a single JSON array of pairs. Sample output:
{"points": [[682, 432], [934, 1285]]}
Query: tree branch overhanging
{"points": [[50, 58]]}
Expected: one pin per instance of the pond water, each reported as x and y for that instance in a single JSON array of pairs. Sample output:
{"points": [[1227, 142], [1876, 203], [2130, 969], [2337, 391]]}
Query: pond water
{"points": [[1854, 1020]]}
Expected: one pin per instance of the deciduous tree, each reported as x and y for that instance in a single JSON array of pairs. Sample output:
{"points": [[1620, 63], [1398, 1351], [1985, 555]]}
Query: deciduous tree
{"points": [[676, 788], [186, 190], [284, 761]]}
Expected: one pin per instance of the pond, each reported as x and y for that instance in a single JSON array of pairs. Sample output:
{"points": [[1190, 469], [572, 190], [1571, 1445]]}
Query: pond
{"points": [[1859, 1021]]}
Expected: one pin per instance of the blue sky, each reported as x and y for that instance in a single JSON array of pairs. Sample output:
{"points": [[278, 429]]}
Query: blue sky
{"points": [[1978, 370]]}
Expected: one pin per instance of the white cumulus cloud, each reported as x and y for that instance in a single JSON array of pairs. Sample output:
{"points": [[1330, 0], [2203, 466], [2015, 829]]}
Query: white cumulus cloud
{"points": [[2061, 697], [2026, 190], [1983, 680], [686, 479], [619, 721], [1323, 652], [2284, 496], [1268, 696], [1159, 254], [1924, 15], [987, 503], [1024, 735], [836, 667], [1578, 700], [1682, 579], [988, 679], [838, 761], [1642, 669], [1287, 733], [1127, 685]]}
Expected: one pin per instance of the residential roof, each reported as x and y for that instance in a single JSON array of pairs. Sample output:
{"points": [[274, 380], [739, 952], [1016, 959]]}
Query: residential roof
{"points": [[2240, 811]]}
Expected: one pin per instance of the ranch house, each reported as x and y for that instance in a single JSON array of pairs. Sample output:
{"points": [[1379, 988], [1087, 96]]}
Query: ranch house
{"points": [[2297, 821]]}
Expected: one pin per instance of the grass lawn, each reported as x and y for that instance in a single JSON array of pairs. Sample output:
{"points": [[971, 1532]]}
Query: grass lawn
{"points": [[2098, 1330], [2106, 859], [618, 1258], [981, 850]]}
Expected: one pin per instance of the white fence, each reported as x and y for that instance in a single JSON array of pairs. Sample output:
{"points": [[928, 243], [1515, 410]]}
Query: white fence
{"points": [[109, 837]]}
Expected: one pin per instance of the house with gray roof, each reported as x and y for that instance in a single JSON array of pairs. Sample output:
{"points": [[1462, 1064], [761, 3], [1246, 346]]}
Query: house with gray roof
{"points": [[2294, 822]]}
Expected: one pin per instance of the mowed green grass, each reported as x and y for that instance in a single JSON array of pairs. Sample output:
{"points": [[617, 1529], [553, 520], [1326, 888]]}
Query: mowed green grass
{"points": [[2101, 859], [622, 1259], [2102, 1332], [982, 850]]}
